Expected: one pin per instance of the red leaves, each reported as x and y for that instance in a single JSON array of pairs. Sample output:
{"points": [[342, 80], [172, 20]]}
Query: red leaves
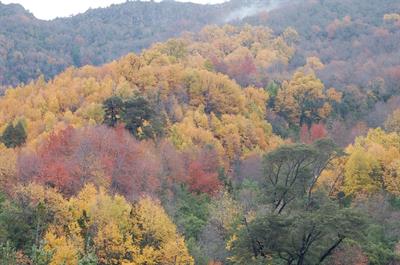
{"points": [[242, 70], [200, 180], [105, 157], [202, 175], [56, 174], [112, 158], [315, 132]]}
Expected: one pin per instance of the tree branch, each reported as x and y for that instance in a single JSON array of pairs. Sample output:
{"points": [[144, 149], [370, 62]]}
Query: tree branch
{"points": [[331, 249]]}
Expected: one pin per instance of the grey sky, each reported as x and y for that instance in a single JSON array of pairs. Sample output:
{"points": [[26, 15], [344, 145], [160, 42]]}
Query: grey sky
{"points": [[48, 9]]}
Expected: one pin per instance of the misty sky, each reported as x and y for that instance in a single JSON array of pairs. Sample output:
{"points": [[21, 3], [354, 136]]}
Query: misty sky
{"points": [[48, 9]]}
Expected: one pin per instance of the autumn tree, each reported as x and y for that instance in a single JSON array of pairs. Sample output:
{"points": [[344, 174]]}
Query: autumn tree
{"points": [[106, 157], [362, 174], [241, 66], [303, 100], [373, 164], [117, 232], [165, 86], [202, 176], [392, 17], [309, 135], [8, 167], [92, 227]]}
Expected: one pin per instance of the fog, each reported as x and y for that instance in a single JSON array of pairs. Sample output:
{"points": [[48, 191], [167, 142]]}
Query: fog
{"points": [[254, 9]]}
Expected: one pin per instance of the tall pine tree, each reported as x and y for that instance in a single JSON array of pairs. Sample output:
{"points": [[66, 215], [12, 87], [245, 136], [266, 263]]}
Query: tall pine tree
{"points": [[14, 136], [113, 109]]}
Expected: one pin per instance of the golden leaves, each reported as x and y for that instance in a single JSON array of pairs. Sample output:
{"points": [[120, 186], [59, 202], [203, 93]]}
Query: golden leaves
{"points": [[373, 163], [122, 233]]}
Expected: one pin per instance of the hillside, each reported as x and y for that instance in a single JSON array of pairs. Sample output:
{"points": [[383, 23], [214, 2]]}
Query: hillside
{"points": [[89, 155], [273, 138], [356, 42], [30, 47], [346, 35]]}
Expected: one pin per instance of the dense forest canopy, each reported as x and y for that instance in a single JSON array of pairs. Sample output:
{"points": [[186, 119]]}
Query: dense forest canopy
{"points": [[268, 135], [347, 35], [30, 47]]}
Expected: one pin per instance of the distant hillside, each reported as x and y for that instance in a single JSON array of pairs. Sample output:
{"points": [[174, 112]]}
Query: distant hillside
{"points": [[347, 35], [357, 43], [30, 47], [351, 37]]}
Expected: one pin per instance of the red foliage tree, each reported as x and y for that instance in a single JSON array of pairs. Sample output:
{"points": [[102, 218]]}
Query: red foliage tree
{"points": [[243, 70], [112, 158], [315, 132], [318, 131], [200, 180], [172, 163], [106, 157], [202, 172]]}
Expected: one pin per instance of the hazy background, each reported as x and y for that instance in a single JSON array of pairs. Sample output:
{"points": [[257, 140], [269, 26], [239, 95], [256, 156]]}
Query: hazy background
{"points": [[49, 9]]}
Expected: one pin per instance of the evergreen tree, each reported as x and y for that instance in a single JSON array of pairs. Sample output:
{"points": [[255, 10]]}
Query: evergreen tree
{"points": [[14, 136], [113, 109], [20, 134], [138, 111], [141, 119], [7, 137]]}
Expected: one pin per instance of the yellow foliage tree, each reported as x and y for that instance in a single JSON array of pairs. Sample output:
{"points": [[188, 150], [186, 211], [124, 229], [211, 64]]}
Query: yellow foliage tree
{"points": [[373, 164], [115, 231], [303, 99], [8, 161], [392, 17]]}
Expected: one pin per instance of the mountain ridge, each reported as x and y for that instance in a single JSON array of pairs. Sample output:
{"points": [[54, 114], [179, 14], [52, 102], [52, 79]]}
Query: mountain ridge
{"points": [[30, 47]]}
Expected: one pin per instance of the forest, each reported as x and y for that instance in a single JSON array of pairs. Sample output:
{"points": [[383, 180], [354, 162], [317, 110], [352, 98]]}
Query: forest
{"points": [[30, 47], [272, 138]]}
